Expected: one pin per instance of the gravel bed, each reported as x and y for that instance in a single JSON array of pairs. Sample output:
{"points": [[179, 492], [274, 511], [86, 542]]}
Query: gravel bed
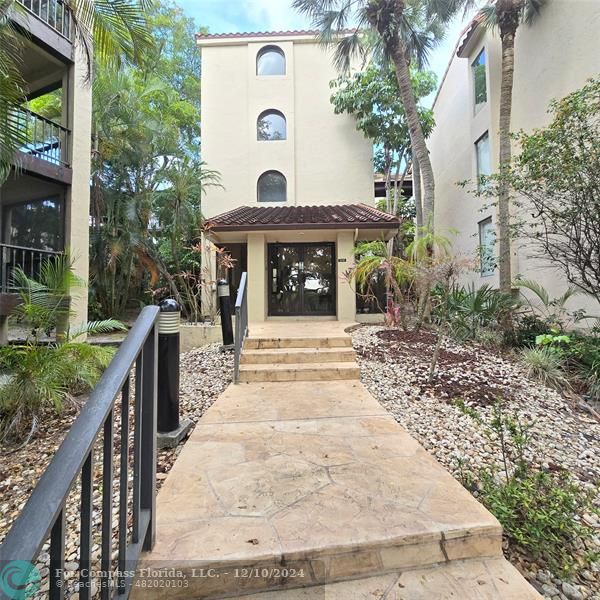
{"points": [[205, 373], [395, 368]]}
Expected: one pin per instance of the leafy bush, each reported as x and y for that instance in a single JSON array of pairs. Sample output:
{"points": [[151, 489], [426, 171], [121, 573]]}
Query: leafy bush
{"points": [[539, 510], [527, 328], [546, 366], [44, 376], [472, 310]]}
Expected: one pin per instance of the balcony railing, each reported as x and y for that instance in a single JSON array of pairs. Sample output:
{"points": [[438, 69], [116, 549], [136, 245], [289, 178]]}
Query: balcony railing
{"points": [[45, 139], [29, 260], [54, 13]]}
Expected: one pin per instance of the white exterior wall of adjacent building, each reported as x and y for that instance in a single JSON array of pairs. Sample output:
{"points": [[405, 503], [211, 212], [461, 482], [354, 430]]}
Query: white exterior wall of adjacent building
{"points": [[553, 57], [324, 158]]}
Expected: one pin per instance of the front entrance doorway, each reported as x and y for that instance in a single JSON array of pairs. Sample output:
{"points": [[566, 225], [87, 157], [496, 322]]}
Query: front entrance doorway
{"points": [[302, 279]]}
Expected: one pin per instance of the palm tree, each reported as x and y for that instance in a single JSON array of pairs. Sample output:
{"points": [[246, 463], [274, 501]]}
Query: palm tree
{"points": [[507, 15], [115, 29], [402, 31]]}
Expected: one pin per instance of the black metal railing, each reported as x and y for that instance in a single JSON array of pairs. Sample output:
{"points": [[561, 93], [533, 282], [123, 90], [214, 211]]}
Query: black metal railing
{"points": [[43, 138], [29, 260], [241, 324], [54, 13], [43, 516]]}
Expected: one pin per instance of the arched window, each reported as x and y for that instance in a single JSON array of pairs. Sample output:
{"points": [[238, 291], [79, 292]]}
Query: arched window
{"points": [[272, 187], [270, 61], [271, 125]]}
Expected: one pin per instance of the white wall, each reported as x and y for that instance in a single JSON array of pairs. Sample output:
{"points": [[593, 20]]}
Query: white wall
{"points": [[325, 160], [553, 57]]}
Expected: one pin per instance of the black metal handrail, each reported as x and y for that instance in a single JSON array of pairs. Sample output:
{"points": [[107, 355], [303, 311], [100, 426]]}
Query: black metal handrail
{"points": [[44, 138], [241, 324], [43, 516], [29, 260], [54, 13]]}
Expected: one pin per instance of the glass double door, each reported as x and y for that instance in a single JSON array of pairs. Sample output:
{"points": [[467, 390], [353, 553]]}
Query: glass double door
{"points": [[302, 279]]}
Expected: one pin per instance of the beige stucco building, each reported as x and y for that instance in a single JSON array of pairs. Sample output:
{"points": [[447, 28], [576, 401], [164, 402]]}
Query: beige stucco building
{"points": [[553, 57], [297, 178], [44, 205]]}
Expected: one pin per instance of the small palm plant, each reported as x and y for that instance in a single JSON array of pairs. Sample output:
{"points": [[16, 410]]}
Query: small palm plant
{"points": [[42, 376]]}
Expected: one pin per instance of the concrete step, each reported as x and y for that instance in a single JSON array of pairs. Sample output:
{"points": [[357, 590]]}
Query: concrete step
{"points": [[491, 579], [298, 355], [262, 343], [328, 371], [292, 485]]}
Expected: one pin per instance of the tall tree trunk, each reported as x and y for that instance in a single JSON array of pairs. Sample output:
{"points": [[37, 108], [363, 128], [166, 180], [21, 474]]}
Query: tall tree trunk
{"points": [[416, 175], [417, 138], [508, 27]]}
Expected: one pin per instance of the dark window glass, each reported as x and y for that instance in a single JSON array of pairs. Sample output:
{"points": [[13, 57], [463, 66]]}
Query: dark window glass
{"points": [[270, 61], [479, 82], [38, 224], [271, 125], [484, 159], [272, 187]]}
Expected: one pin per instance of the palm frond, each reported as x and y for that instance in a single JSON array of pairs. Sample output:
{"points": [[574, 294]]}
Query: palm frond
{"points": [[96, 327]]}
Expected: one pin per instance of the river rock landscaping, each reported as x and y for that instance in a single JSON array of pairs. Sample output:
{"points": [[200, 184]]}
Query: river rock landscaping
{"points": [[450, 415], [205, 373]]}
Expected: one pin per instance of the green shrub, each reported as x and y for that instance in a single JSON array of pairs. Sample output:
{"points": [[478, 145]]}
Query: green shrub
{"points": [[43, 377], [546, 366], [540, 512], [527, 329]]}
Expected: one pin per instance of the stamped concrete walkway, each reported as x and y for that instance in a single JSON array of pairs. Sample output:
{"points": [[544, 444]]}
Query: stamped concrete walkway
{"points": [[312, 483]]}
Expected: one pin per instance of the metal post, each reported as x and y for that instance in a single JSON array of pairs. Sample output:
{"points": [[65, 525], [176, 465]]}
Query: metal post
{"points": [[170, 430], [225, 308]]}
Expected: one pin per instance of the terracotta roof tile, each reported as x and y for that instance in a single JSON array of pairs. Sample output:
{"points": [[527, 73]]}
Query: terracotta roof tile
{"points": [[265, 34], [343, 216], [216, 36]]}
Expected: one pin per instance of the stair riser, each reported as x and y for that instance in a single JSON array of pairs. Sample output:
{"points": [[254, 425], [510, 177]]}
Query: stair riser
{"points": [[249, 376], [271, 343], [235, 579], [291, 357]]}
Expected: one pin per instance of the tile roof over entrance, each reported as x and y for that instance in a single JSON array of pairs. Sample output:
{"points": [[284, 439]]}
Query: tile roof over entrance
{"points": [[343, 216]]}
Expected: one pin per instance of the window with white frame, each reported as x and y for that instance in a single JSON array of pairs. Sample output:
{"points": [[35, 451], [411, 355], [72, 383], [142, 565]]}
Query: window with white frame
{"points": [[271, 125], [270, 61], [478, 71], [483, 156], [487, 247]]}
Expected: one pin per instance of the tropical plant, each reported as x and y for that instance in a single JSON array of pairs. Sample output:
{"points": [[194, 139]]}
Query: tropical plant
{"points": [[147, 181], [565, 229], [12, 89], [540, 511], [373, 98], [376, 265], [43, 375], [115, 30], [554, 311], [546, 366], [473, 310], [506, 16], [402, 31]]}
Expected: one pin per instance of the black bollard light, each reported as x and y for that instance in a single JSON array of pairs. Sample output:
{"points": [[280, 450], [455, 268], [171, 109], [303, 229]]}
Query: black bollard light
{"points": [[170, 431], [225, 308]]}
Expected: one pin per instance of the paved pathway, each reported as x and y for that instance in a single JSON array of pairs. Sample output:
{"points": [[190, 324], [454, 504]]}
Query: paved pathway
{"points": [[312, 483]]}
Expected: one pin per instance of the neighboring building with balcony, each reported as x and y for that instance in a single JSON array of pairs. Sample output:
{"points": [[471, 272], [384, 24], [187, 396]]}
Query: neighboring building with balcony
{"points": [[553, 57], [44, 205], [297, 178]]}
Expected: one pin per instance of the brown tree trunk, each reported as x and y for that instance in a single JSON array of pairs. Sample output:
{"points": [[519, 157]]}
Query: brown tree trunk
{"points": [[417, 138], [508, 27], [416, 176]]}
